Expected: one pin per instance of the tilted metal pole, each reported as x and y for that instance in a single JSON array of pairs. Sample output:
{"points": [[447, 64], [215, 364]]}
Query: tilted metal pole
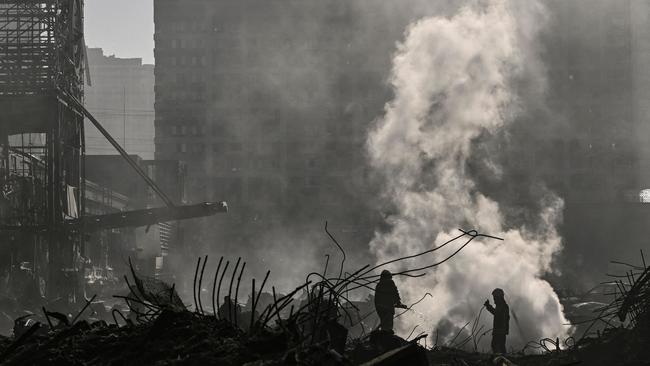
{"points": [[119, 148]]}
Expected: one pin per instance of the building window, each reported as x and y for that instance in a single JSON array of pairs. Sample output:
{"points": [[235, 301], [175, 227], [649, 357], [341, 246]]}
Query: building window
{"points": [[183, 130], [181, 148], [174, 43], [218, 129], [235, 146], [174, 130], [312, 162], [198, 148]]}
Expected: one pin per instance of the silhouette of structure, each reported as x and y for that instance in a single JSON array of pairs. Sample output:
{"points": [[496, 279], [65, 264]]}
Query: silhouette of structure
{"points": [[41, 140], [42, 152]]}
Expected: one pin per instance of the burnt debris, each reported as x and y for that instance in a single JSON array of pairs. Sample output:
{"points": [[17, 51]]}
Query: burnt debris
{"points": [[270, 329], [314, 324]]}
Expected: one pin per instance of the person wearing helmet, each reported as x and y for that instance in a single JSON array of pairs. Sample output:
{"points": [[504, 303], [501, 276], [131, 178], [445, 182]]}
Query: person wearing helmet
{"points": [[386, 300], [501, 322]]}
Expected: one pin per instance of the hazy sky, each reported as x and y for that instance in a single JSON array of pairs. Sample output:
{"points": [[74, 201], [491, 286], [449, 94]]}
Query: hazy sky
{"points": [[121, 27]]}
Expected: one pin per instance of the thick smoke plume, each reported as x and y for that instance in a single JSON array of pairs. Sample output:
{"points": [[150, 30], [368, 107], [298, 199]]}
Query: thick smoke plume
{"points": [[454, 81]]}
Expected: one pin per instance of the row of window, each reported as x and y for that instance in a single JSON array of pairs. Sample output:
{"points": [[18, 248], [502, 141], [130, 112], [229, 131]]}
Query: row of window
{"points": [[225, 148], [219, 129], [192, 95], [181, 26], [198, 43], [184, 130], [187, 60]]}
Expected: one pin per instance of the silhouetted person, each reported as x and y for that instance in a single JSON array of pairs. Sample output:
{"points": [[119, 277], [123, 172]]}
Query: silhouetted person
{"points": [[501, 322], [229, 310], [386, 300]]}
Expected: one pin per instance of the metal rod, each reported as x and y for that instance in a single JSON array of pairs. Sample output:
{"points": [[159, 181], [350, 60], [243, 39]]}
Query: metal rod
{"points": [[219, 287], [214, 286], [119, 148], [196, 273], [198, 295], [83, 309], [232, 278], [237, 290]]}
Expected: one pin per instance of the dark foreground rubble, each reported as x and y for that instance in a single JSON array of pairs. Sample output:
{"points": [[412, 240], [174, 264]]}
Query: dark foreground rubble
{"points": [[619, 347], [313, 329], [187, 338]]}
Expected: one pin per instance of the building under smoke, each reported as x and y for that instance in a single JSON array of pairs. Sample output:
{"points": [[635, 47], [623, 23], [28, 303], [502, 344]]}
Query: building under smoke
{"points": [[270, 103], [121, 95], [587, 140]]}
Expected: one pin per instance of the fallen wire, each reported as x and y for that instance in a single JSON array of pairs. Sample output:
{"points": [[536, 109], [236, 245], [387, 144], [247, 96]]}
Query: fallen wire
{"points": [[88, 302], [457, 334], [121, 315], [473, 234], [410, 334], [412, 305], [475, 331], [340, 248]]}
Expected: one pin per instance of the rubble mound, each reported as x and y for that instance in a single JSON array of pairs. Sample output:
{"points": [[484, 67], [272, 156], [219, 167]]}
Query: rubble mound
{"points": [[173, 338], [159, 330]]}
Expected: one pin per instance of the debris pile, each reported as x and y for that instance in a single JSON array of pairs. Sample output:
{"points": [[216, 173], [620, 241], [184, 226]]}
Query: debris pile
{"points": [[155, 327], [165, 332], [623, 340], [159, 329]]}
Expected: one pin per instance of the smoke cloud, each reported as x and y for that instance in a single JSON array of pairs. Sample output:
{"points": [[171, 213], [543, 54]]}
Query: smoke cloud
{"points": [[456, 80]]}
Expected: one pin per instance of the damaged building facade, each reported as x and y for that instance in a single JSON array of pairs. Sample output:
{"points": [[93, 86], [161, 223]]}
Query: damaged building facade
{"points": [[41, 138], [58, 230]]}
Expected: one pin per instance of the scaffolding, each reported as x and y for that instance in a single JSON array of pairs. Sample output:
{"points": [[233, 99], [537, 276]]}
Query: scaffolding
{"points": [[41, 144]]}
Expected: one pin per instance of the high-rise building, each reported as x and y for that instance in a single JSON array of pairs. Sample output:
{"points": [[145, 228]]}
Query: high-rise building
{"points": [[121, 97], [269, 109], [588, 140]]}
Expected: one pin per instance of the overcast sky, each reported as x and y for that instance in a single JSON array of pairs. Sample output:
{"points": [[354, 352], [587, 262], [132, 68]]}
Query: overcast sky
{"points": [[121, 27]]}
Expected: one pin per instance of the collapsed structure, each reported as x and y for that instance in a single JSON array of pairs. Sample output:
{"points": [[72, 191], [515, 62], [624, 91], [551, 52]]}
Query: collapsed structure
{"points": [[313, 331], [44, 221], [312, 328]]}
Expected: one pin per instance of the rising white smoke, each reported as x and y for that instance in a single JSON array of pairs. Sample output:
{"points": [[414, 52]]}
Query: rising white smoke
{"points": [[453, 81]]}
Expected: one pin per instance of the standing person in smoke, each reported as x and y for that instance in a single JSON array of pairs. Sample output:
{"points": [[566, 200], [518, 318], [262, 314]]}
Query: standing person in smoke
{"points": [[500, 326], [230, 310], [386, 300]]}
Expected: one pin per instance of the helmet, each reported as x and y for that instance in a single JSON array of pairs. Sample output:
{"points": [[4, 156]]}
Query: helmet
{"points": [[498, 293]]}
